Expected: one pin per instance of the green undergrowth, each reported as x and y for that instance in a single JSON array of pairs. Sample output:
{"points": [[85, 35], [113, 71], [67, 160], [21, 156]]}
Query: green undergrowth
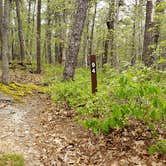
{"points": [[17, 90], [158, 147], [136, 93], [51, 74], [11, 160]]}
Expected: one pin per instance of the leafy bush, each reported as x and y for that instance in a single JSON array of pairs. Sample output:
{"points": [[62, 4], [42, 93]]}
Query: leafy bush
{"points": [[137, 93], [159, 147]]}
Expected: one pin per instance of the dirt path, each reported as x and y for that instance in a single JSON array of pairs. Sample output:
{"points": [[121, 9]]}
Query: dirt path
{"points": [[64, 142], [47, 135], [19, 128]]}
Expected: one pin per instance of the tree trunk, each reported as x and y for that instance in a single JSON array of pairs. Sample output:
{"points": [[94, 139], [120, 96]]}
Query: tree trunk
{"points": [[148, 35], [12, 44], [116, 55], [58, 44], [133, 49], [85, 45], [133, 43], [112, 33], [61, 42], [33, 28], [38, 47], [1, 17], [141, 33], [158, 11], [109, 42], [20, 32], [29, 24], [75, 39], [92, 30], [48, 32], [5, 64]]}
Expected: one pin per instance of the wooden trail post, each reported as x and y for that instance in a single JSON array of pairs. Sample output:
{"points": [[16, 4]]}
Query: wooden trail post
{"points": [[93, 73]]}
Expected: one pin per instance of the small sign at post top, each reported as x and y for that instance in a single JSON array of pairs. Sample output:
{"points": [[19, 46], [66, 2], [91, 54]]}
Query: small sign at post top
{"points": [[93, 64], [93, 73]]}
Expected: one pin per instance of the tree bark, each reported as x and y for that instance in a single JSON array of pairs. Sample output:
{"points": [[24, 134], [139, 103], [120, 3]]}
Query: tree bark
{"points": [[158, 11], [112, 33], [58, 44], [92, 30], [133, 48], [1, 18], [48, 32], [133, 42], [29, 25], [33, 28], [75, 39], [109, 42], [20, 32], [61, 42], [5, 64], [148, 35], [85, 45], [38, 47], [141, 31]]}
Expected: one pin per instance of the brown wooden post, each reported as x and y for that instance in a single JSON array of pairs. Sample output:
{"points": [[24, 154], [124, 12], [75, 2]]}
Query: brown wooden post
{"points": [[93, 73]]}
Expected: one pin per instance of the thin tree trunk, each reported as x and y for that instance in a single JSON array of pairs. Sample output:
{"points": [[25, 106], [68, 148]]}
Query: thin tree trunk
{"points": [[85, 45], [5, 64], [44, 52], [56, 44], [56, 51], [38, 47], [20, 32], [60, 55], [63, 35], [29, 24], [148, 35], [133, 49], [111, 34], [33, 28], [1, 18], [13, 57], [159, 10], [60, 43], [48, 32], [116, 55], [133, 44], [141, 34], [75, 39], [109, 44], [92, 30]]}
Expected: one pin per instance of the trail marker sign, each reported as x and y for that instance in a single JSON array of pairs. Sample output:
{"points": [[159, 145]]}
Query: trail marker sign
{"points": [[93, 73]]}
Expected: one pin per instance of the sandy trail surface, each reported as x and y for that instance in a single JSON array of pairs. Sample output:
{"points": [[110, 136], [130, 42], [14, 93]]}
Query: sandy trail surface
{"points": [[19, 128]]}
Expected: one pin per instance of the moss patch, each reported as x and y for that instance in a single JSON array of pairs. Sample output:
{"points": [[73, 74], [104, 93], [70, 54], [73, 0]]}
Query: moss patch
{"points": [[11, 160], [17, 90]]}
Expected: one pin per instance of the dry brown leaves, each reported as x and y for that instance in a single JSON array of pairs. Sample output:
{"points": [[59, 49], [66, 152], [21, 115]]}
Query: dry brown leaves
{"points": [[65, 143], [24, 77]]}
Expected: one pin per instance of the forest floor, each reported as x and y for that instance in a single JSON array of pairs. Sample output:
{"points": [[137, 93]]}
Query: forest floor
{"points": [[47, 134]]}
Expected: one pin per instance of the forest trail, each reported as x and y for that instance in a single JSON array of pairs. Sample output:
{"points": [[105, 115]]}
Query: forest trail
{"points": [[47, 134], [19, 127]]}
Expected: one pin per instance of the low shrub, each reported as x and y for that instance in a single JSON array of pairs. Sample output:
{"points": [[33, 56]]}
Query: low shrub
{"points": [[137, 93]]}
